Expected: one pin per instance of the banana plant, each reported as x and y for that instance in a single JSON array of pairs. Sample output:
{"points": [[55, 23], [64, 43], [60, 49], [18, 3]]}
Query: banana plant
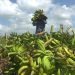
{"points": [[44, 58]]}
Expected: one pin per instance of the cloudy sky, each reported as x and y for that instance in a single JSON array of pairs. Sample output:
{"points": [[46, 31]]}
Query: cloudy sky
{"points": [[15, 15]]}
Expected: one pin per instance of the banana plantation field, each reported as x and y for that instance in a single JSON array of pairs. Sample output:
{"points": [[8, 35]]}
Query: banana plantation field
{"points": [[28, 54]]}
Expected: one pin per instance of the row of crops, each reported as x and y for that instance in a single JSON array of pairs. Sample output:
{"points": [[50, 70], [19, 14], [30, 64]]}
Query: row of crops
{"points": [[28, 54]]}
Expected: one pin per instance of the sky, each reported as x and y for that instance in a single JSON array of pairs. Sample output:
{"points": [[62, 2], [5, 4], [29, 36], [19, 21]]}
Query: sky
{"points": [[15, 15]]}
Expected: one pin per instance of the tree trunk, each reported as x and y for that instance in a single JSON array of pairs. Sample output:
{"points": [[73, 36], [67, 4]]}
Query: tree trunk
{"points": [[40, 27]]}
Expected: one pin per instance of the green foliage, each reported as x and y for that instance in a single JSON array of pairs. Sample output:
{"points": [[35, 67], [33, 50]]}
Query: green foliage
{"points": [[38, 16], [28, 54]]}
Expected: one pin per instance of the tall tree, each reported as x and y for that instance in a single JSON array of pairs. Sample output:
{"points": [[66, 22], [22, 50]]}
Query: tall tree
{"points": [[39, 20]]}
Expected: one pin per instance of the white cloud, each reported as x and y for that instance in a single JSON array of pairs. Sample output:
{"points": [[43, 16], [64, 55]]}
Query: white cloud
{"points": [[27, 7], [21, 12], [34, 4], [62, 14], [0, 27], [7, 8], [4, 29]]}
